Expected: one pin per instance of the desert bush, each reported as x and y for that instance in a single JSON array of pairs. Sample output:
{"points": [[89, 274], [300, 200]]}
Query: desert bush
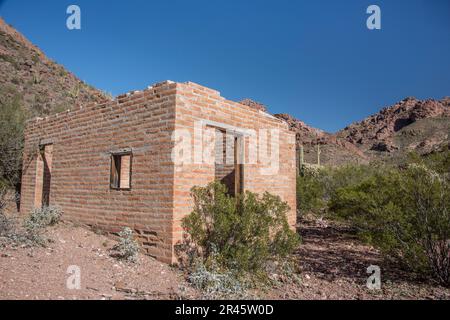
{"points": [[39, 219], [43, 217], [405, 213], [32, 231], [335, 178], [310, 192], [437, 161], [216, 283], [127, 248], [12, 120], [5, 223], [309, 169], [241, 233], [8, 223], [317, 185], [3, 195]]}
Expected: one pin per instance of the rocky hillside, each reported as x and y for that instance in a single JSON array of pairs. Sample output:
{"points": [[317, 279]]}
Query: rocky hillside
{"points": [[43, 86], [333, 150], [410, 125]]}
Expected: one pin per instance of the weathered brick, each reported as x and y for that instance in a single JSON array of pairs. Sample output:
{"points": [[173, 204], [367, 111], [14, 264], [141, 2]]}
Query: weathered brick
{"points": [[78, 174]]}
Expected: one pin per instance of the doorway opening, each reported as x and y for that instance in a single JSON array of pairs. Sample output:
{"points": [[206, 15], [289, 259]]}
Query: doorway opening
{"points": [[229, 168], [43, 176]]}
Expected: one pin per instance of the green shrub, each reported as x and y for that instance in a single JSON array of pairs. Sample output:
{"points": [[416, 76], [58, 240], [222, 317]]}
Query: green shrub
{"points": [[437, 161], [317, 185], [405, 213], [335, 178], [127, 248], [310, 194], [241, 233]]}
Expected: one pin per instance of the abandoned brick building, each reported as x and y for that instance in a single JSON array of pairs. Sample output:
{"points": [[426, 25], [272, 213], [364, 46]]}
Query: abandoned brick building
{"points": [[112, 165]]}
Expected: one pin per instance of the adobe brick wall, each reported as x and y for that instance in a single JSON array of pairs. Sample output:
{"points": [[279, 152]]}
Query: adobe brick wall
{"points": [[195, 103], [144, 122], [83, 140]]}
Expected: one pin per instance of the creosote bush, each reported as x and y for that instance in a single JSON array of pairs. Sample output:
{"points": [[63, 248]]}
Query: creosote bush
{"points": [[127, 249], [229, 235]]}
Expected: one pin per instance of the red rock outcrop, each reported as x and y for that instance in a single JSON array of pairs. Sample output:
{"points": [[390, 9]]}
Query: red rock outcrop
{"points": [[377, 131], [253, 104], [334, 150]]}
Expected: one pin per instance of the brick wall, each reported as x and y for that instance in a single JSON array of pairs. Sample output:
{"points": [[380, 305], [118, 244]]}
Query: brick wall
{"points": [[195, 103], [83, 140]]}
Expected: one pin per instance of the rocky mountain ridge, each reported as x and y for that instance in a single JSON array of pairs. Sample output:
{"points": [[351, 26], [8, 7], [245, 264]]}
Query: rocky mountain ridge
{"points": [[43, 86]]}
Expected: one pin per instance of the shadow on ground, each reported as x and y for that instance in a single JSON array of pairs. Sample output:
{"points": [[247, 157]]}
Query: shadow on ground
{"points": [[332, 252]]}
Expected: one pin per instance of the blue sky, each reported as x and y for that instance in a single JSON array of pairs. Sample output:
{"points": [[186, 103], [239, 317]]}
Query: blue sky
{"points": [[313, 59]]}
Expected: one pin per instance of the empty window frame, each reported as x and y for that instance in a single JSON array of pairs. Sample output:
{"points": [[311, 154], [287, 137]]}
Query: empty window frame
{"points": [[121, 171]]}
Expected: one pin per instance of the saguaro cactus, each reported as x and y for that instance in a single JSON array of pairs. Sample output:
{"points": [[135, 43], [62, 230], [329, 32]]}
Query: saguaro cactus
{"points": [[318, 154], [302, 156]]}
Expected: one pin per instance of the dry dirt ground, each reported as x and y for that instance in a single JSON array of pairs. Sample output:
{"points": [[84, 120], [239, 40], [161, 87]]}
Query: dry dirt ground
{"points": [[333, 266], [41, 273]]}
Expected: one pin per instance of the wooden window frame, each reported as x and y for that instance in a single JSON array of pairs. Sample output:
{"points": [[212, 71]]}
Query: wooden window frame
{"points": [[113, 169]]}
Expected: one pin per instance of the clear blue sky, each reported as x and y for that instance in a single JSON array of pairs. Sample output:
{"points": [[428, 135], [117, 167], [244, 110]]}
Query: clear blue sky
{"points": [[313, 59]]}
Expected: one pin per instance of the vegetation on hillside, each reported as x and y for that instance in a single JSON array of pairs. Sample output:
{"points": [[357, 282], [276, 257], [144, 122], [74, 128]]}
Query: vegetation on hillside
{"points": [[45, 87], [30, 85]]}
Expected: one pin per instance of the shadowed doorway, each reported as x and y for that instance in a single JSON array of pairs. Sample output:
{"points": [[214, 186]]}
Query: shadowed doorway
{"points": [[228, 164]]}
